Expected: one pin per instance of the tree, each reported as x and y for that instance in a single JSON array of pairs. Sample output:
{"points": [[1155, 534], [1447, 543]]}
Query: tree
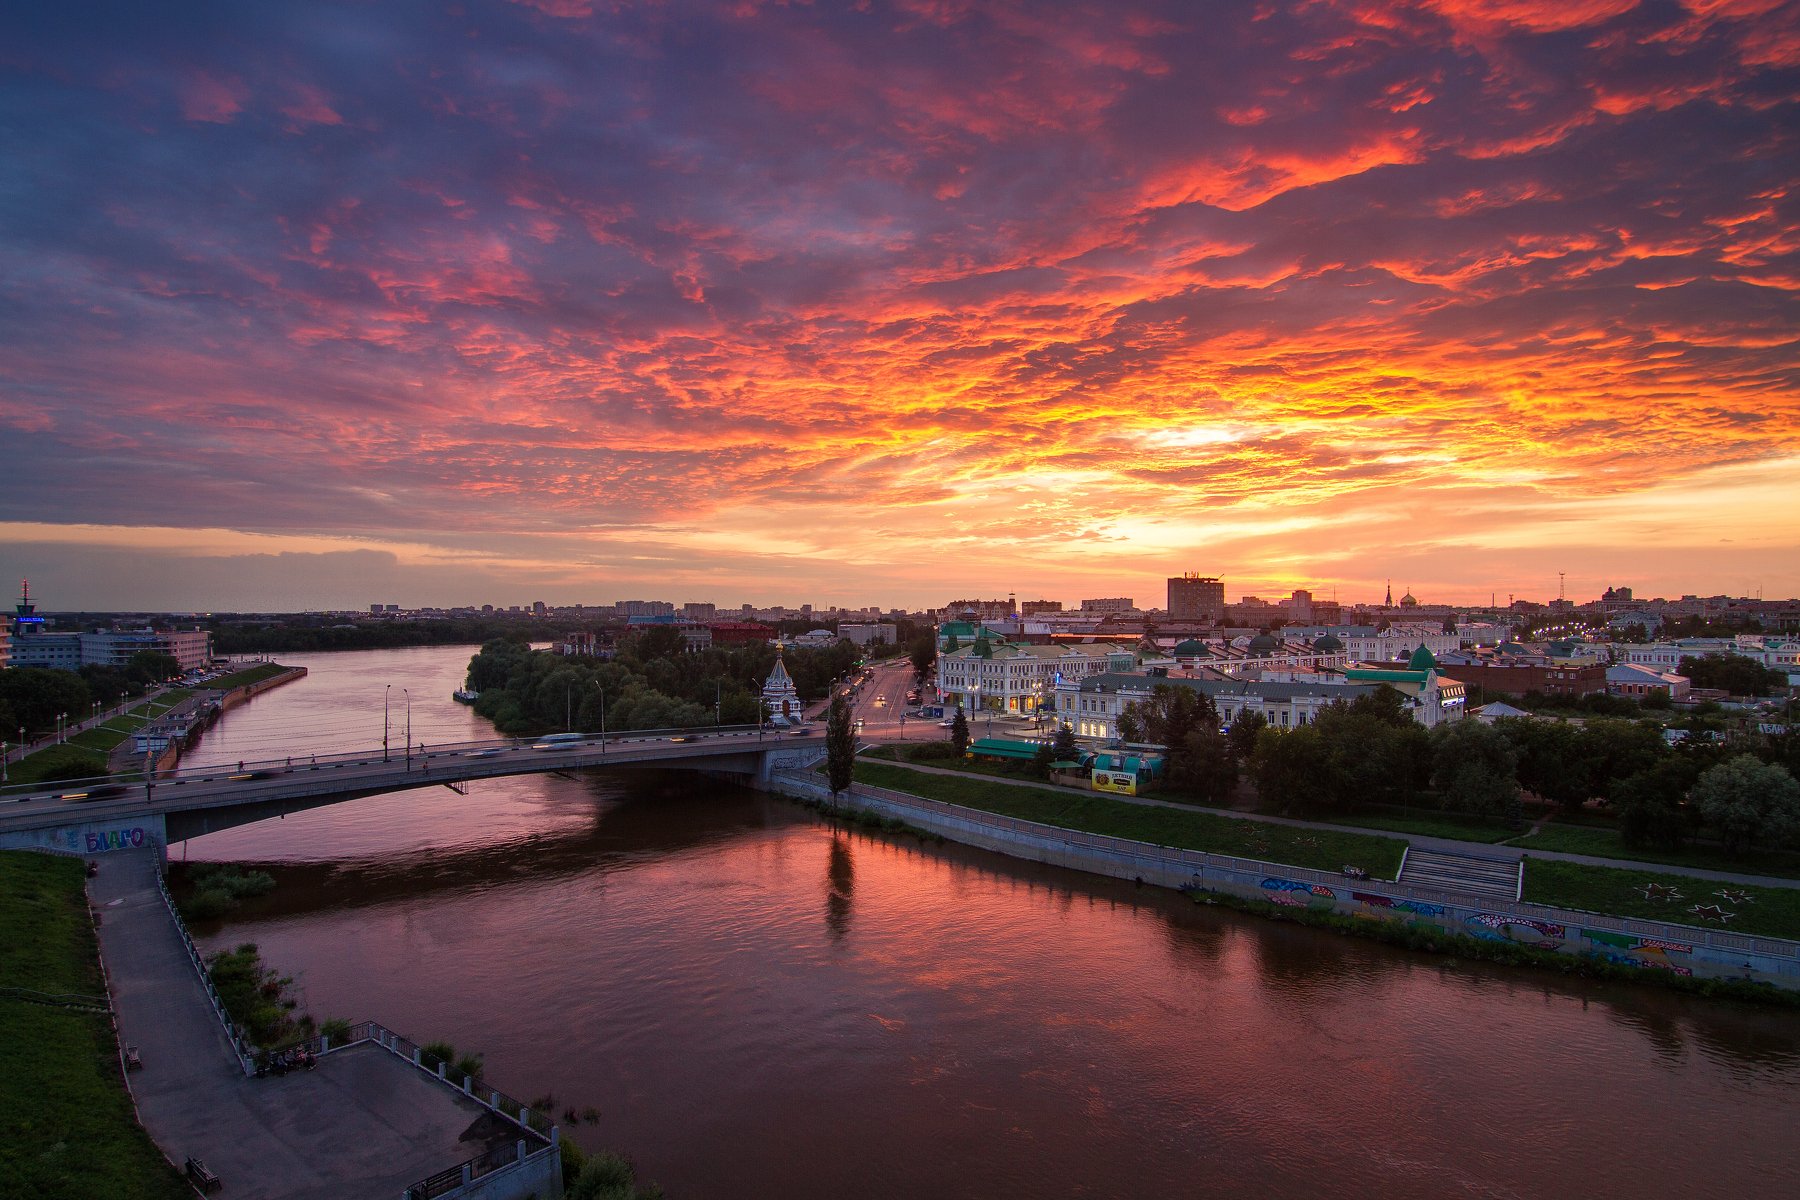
{"points": [[922, 650], [1653, 808], [1041, 760], [840, 747], [1736, 674], [74, 766], [959, 733], [1617, 750], [1293, 770], [1244, 728], [152, 666], [1206, 766], [1472, 768], [1064, 743], [1131, 723], [1550, 760], [1749, 802]]}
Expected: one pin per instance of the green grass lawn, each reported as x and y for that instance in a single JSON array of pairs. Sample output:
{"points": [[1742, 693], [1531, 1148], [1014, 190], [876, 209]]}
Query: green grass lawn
{"points": [[67, 1131], [1428, 826], [1604, 842], [1772, 912], [256, 674], [1187, 829]]}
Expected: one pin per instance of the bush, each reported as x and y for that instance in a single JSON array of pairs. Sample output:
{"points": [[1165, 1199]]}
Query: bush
{"points": [[207, 904], [931, 752], [337, 1029]]}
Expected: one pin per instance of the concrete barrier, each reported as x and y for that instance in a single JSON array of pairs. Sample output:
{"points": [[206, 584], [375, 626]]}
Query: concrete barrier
{"points": [[1625, 941]]}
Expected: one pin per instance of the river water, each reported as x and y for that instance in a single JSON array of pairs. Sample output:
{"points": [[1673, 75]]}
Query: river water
{"points": [[758, 1005]]}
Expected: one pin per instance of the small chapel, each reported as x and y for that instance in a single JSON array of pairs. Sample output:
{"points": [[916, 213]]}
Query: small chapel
{"points": [[780, 699]]}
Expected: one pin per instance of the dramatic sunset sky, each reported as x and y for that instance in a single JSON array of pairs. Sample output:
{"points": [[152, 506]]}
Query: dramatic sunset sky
{"points": [[310, 305]]}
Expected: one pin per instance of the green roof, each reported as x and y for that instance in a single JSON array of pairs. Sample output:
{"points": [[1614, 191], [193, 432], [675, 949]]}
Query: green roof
{"points": [[1422, 659], [1384, 675], [1191, 649], [1003, 748]]}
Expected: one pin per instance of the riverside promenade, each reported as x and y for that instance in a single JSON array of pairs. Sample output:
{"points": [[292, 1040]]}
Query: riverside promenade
{"points": [[364, 1123]]}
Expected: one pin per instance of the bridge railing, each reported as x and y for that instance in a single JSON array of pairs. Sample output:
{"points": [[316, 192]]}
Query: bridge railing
{"points": [[297, 763]]}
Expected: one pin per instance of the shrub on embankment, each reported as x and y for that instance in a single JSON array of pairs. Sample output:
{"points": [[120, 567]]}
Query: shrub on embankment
{"points": [[67, 1127], [207, 891], [256, 997]]}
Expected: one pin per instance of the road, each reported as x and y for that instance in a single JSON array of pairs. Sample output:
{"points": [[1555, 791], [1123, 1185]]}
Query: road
{"points": [[366, 774]]}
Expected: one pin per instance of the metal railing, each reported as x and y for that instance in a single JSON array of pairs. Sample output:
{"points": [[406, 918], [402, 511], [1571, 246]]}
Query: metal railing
{"points": [[1152, 855], [297, 764], [240, 1042]]}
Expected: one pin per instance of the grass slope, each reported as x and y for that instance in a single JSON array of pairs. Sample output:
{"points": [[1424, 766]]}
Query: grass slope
{"points": [[1771, 911], [1603, 842], [248, 675], [67, 1130], [1183, 828]]}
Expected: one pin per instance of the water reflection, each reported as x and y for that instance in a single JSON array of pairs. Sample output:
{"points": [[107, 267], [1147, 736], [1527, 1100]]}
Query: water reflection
{"points": [[840, 885], [966, 1025]]}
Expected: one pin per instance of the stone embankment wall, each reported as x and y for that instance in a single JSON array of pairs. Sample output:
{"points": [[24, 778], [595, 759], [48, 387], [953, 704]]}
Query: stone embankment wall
{"points": [[238, 695], [1652, 945]]}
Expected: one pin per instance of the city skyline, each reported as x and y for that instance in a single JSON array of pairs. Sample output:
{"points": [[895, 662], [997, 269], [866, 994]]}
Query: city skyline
{"points": [[309, 309]]}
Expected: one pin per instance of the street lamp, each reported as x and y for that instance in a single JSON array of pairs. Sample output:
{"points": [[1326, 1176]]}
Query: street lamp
{"points": [[718, 703], [408, 696], [387, 691]]}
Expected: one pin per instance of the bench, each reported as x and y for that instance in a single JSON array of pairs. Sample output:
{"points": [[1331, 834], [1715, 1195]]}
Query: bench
{"points": [[202, 1178], [132, 1061]]}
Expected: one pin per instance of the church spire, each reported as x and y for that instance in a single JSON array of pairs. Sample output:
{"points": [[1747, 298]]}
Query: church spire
{"points": [[1389, 602]]}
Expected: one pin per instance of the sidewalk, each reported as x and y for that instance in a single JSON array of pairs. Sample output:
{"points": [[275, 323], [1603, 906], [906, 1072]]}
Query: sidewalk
{"points": [[1486, 850], [362, 1124]]}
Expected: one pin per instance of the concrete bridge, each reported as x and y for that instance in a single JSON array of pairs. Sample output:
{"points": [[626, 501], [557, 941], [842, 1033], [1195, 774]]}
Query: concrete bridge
{"points": [[95, 816]]}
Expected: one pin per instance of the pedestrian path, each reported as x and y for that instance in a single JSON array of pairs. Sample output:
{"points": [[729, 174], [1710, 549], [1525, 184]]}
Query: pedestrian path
{"points": [[1462, 873], [363, 1124]]}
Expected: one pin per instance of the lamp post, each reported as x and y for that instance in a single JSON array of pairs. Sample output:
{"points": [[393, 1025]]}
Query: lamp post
{"points": [[408, 696], [387, 692], [718, 703], [602, 715], [568, 707], [2, 761]]}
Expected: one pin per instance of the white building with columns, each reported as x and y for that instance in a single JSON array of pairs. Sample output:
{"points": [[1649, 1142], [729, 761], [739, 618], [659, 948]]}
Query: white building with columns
{"points": [[1007, 677]]}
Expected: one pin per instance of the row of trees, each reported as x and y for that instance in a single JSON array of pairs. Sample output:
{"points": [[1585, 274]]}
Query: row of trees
{"points": [[652, 683], [1370, 752], [33, 698]]}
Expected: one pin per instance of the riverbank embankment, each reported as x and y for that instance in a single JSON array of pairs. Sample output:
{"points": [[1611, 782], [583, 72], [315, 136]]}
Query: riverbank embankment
{"points": [[368, 1122], [1621, 942]]}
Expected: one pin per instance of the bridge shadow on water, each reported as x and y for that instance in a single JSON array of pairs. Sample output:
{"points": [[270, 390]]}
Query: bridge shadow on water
{"points": [[655, 815]]}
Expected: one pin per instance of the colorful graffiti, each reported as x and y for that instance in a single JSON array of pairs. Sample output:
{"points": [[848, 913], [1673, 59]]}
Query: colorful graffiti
{"points": [[1419, 907], [1497, 927], [115, 839], [1632, 951], [1294, 894]]}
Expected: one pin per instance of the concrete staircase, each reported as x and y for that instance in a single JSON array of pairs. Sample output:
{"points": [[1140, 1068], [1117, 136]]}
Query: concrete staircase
{"points": [[1498, 878]]}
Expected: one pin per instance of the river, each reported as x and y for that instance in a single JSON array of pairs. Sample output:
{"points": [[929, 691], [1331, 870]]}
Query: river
{"points": [[758, 1005]]}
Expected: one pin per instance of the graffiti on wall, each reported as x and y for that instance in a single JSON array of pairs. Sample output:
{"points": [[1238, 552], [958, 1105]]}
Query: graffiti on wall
{"points": [[1294, 894], [1420, 907], [1526, 931], [116, 839], [1629, 950]]}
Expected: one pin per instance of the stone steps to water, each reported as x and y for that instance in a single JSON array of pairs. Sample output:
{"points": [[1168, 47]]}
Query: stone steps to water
{"points": [[1461, 873]]}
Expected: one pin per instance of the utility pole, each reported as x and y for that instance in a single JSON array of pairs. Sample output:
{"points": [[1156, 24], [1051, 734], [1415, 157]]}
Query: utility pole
{"points": [[408, 696], [386, 692]]}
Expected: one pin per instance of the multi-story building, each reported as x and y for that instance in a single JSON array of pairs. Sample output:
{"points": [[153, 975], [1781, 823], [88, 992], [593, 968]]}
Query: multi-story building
{"points": [[192, 648], [1008, 677], [976, 610], [880, 633], [1109, 605], [1369, 643], [1517, 674], [645, 608], [1091, 706], [5, 647], [737, 633], [1197, 598], [1032, 608], [1636, 682], [699, 612]]}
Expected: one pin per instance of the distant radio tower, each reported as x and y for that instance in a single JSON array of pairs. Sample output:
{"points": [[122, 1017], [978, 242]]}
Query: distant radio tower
{"points": [[1559, 586]]}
